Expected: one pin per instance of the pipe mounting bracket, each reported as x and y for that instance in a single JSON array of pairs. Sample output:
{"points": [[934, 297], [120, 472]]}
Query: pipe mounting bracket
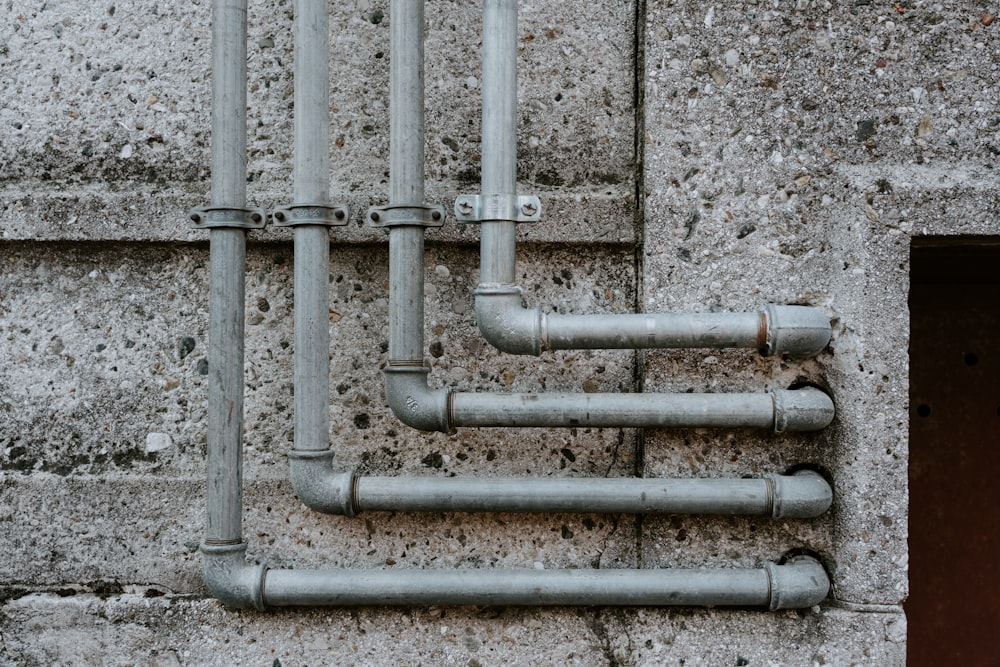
{"points": [[423, 215], [234, 217], [293, 215], [485, 208]]}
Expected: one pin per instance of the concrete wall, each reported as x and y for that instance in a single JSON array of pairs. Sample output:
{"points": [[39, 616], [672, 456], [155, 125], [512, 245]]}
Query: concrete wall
{"points": [[689, 156]]}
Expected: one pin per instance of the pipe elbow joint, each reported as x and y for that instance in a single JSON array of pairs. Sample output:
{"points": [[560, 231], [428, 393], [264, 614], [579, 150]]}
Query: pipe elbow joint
{"points": [[804, 495], [506, 324], [799, 583], [318, 485], [806, 409], [231, 579], [801, 331], [413, 402]]}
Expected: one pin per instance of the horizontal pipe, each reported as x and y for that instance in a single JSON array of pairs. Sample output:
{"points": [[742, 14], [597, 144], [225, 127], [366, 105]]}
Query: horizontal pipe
{"points": [[801, 496], [512, 328], [801, 582], [804, 409], [421, 407], [632, 496]]}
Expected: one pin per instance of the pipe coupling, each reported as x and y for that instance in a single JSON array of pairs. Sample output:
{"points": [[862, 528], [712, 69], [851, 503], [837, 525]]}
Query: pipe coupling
{"points": [[799, 583], [231, 580], [806, 409], [506, 324], [413, 402], [801, 331], [318, 485]]}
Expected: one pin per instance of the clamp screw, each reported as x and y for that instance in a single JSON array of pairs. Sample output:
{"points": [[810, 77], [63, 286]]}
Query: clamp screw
{"points": [[529, 208], [436, 215], [279, 216], [256, 217], [195, 218], [465, 207], [374, 216], [339, 214]]}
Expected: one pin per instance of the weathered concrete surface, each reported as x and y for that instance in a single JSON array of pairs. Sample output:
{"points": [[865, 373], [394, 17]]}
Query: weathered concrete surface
{"points": [[790, 154], [99, 144], [161, 631]]}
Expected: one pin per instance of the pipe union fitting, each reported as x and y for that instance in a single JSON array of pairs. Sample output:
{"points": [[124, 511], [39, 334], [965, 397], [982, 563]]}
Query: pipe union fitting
{"points": [[801, 331], [505, 323]]}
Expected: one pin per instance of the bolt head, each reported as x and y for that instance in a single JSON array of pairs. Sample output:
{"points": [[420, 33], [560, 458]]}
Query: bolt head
{"points": [[374, 216], [339, 214], [195, 218], [436, 215], [256, 217], [279, 216]]}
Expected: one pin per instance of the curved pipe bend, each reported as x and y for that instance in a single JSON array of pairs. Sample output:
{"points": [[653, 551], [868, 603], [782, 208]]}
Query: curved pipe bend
{"points": [[318, 485], [506, 324], [413, 402], [802, 495], [798, 583], [802, 331], [230, 578]]}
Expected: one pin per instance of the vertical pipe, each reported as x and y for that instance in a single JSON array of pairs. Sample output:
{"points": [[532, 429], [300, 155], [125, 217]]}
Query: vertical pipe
{"points": [[228, 262], [499, 142], [406, 180], [312, 242]]}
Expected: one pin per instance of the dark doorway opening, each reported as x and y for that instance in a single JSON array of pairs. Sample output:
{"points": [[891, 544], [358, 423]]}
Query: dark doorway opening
{"points": [[953, 610]]}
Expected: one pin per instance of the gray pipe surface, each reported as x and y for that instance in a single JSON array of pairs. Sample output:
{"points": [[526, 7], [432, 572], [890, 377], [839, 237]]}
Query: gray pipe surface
{"points": [[804, 409], [801, 496], [227, 268], [511, 328], [311, 169], [800, 583]]}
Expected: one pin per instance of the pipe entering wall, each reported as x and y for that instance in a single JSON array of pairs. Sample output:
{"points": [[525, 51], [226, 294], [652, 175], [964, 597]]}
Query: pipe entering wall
{"points": [[237, 583]]}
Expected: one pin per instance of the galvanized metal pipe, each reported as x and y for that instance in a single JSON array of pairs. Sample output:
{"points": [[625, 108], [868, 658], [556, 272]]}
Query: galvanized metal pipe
{"points": [[799, 583], [507, 325], [407, 390], [802, 495], [406, 182], [814, 410], [311, 173], [227, 269]]}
